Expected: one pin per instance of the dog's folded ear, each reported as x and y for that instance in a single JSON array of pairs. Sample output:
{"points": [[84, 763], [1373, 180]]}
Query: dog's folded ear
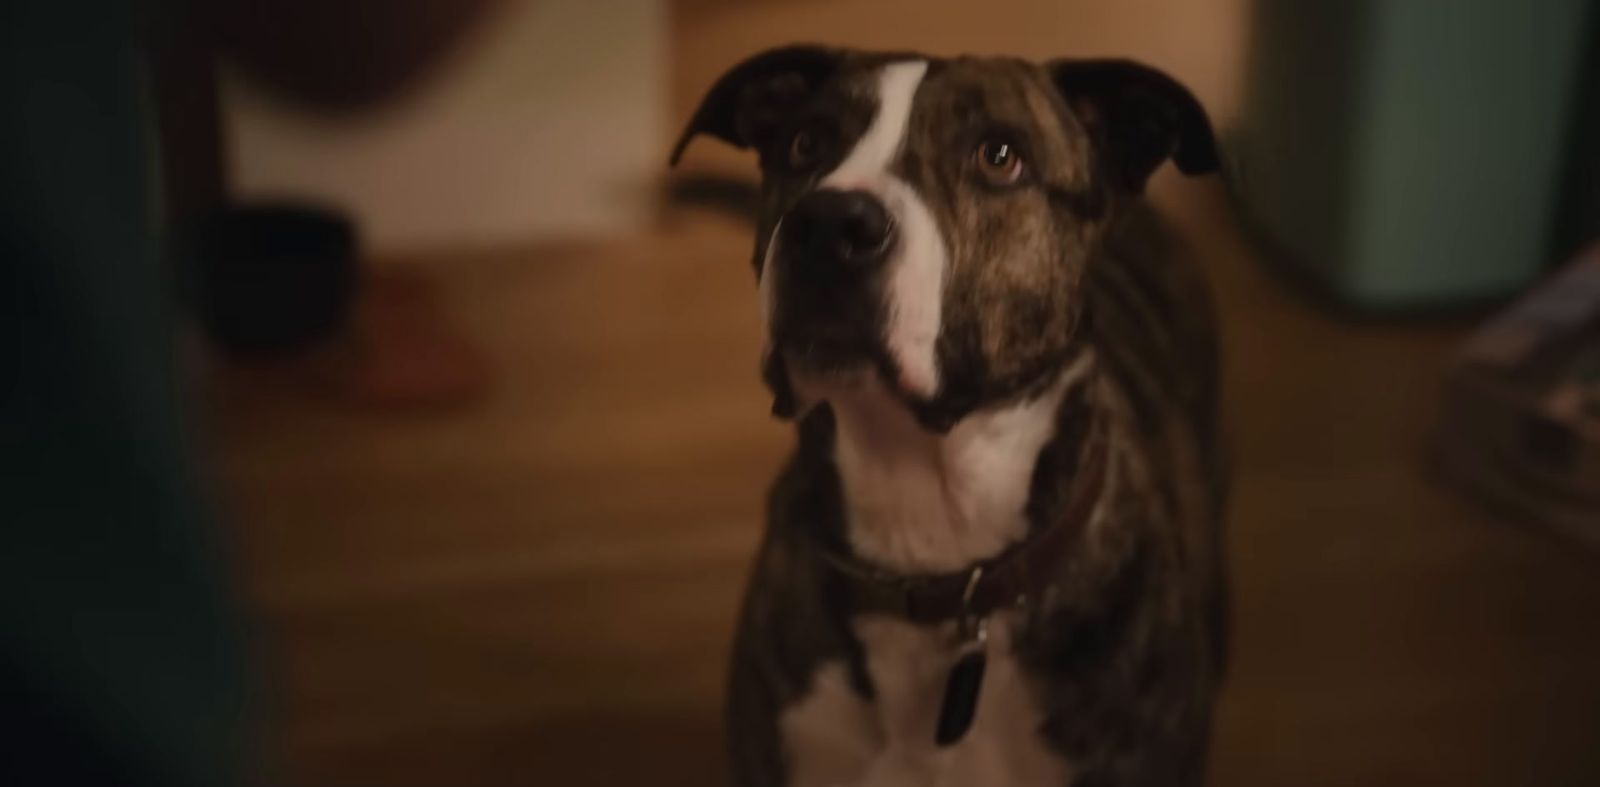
{"points": [[1139, 117], [750, 104]]}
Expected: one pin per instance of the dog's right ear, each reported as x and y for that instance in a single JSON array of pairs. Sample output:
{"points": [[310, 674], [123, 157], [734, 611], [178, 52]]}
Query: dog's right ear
{"points": [[750, 103]]}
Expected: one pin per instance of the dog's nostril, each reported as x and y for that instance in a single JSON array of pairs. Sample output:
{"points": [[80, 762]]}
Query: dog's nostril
{"points": [[842, 226], [867, 228]]}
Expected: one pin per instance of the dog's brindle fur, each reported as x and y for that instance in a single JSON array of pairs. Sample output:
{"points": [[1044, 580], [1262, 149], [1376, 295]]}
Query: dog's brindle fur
{"points": [[1118, 663]]}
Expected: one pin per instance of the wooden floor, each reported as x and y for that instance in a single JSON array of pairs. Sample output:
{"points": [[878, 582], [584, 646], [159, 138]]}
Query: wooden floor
{"points": [[538, 589]]}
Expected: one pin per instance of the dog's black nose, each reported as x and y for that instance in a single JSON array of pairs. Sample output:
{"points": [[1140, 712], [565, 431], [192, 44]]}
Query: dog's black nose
{"points": [[845, 227]]}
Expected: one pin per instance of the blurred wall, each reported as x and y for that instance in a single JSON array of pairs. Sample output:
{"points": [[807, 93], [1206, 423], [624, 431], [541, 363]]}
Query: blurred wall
{"points": [[545, 123]]}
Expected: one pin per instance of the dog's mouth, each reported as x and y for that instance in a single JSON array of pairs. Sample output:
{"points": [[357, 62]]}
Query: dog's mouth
{"points": [[827, 329], [822, 361], [826, 350], [823, 326]]}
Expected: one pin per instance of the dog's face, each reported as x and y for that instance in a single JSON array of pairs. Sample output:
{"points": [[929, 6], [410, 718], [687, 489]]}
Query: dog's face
{"points": [[931, 221]]}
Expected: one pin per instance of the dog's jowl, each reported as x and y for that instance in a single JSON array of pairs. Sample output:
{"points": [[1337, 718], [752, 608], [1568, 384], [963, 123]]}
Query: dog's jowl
{"points": [[995, 555]]}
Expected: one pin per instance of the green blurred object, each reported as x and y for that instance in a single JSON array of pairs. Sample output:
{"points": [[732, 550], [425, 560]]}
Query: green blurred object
{"points": [[121, 658], [1405, 155]]}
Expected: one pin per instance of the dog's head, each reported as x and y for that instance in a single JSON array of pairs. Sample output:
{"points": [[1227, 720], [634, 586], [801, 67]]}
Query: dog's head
{"points": [[931, 220]]}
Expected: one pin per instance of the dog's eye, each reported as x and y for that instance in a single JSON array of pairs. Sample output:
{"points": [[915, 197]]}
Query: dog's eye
{"points": [[805, 148], [999, 162]]}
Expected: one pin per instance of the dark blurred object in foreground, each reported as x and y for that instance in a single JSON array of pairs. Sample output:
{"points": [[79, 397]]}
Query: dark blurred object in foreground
{"points": [[121, 654], [1522, 410]]}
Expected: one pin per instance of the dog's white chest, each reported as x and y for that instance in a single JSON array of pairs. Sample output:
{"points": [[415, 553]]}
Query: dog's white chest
{"points": [[833, 738]]}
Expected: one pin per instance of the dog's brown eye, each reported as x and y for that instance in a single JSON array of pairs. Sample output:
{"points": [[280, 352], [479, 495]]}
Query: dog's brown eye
{"points": [[803, 149], [999, 162]]}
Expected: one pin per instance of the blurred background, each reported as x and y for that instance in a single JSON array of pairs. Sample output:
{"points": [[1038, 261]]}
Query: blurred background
{"points": [[382, 412]]}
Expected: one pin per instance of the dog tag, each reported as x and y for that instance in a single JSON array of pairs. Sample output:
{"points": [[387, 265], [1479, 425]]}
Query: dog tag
{"points": [[961, 696]]}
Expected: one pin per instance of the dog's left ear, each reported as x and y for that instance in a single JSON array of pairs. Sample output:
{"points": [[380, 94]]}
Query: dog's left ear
{"points": [[752, 102], [1138, 117]]}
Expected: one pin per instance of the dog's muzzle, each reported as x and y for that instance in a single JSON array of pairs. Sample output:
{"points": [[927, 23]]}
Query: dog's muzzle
{"points": [[837, 234], [830, 250]]}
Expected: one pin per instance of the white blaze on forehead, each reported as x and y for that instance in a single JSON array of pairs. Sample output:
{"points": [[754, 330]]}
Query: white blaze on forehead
{"points": [[914, 280], [868, 162]]}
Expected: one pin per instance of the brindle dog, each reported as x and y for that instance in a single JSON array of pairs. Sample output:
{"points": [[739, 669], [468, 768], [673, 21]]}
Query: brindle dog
{"points": [[995, 557]]}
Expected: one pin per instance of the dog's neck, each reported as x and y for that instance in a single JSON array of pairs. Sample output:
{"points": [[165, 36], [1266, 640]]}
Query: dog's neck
{"points": [[915, 502]]}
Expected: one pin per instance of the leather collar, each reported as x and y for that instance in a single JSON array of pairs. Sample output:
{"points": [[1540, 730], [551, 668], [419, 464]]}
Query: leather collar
{"points": [[1022, 572]]}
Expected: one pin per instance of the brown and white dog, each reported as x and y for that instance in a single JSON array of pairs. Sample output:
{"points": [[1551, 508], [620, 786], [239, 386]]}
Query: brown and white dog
{"points": [[995, 556]]}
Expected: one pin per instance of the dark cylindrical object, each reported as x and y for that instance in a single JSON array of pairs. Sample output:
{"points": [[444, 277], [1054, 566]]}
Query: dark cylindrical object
{"points": [[272, 279]]}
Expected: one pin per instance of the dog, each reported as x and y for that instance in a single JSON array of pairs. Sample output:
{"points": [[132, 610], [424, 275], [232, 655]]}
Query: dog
{"points": [[995, 555]]}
